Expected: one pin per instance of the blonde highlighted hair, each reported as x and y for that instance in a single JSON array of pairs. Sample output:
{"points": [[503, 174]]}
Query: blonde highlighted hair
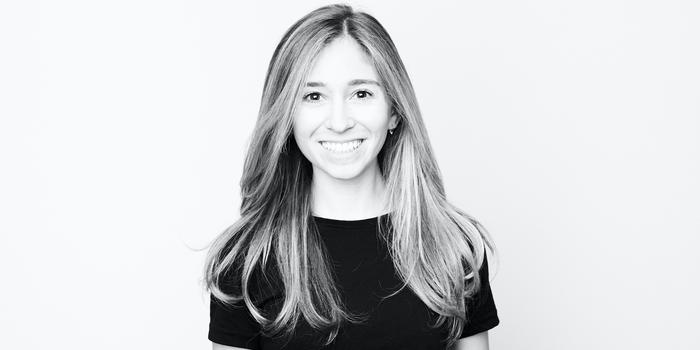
{"points": [[436, 248]]}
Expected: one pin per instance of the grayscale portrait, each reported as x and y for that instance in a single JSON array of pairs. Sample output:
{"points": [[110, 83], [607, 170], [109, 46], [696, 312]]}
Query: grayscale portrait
{"points": [[321, 174], [346, 238]]}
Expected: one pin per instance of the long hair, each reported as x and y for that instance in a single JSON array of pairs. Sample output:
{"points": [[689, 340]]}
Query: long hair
{"points": [[436, 248]]}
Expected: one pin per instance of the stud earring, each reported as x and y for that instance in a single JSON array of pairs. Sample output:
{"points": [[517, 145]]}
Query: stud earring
{"points": [[391, 131]]}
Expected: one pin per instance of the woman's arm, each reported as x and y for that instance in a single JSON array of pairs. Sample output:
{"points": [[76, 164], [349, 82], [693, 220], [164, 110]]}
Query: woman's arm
{"points": [[217, 346], [479, 341]]}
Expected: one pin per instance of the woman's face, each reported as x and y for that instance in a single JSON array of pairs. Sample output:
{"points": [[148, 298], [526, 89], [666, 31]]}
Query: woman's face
{"points": [[341, 123]]}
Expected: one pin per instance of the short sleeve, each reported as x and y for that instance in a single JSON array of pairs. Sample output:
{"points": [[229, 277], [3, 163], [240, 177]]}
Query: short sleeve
{"points": [[481, 309], [232, 325]]}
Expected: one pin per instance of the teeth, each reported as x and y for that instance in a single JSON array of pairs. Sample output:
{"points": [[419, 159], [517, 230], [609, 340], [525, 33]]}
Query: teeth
{"points": [[341, 147]]}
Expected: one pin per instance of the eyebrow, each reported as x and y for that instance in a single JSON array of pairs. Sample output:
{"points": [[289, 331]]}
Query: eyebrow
{"points": [[351, 83]]}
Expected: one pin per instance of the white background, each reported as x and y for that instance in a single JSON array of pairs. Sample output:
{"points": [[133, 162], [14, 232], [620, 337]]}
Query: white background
{"points": [[571, 129]]}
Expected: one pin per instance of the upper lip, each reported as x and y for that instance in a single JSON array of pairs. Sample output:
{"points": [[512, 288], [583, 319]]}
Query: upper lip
{"points": [[348, 140]]}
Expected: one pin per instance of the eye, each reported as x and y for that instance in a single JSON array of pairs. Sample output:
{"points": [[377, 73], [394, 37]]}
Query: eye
{"points": [[362, 94], [312, 97]]}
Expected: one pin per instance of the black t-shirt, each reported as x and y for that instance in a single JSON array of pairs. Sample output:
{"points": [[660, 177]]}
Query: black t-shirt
{"points": [[365, 274]]}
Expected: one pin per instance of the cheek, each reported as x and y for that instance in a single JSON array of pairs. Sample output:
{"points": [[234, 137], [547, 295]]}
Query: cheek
{"points": [[300, 124], [374, 117], [303, 128]]}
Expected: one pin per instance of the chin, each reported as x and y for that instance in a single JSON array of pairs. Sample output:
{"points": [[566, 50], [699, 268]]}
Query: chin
{"points": [[347, 172]]}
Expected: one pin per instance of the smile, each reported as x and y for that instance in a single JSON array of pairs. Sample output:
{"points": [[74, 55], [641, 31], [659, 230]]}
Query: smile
{"points": [[342, 147]]}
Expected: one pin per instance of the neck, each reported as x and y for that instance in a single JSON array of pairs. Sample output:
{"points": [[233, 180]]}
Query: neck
{"points": [[361, 197]]}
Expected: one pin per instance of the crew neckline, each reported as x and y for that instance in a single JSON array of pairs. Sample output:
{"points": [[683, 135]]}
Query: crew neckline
{"points": [[350, 224]]}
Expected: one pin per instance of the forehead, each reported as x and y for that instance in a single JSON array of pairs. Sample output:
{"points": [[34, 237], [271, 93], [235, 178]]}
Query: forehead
{"points": [[341, 61]]}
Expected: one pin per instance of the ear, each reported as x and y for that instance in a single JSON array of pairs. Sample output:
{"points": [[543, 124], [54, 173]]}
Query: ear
{"points": [[393, 120]]}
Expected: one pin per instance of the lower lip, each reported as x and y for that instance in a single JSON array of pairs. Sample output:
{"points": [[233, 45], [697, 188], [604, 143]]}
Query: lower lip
{"points": [[341, 154]]}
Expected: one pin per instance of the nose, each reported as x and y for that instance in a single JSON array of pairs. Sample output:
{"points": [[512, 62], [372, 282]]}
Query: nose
{"points": [[339, 119]]}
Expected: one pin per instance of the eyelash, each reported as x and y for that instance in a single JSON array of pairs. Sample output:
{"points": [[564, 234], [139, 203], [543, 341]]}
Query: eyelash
{"points": [[315, 92]]}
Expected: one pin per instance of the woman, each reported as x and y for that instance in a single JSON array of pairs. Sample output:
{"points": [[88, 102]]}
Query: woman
{"points": [[346, 239]]}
